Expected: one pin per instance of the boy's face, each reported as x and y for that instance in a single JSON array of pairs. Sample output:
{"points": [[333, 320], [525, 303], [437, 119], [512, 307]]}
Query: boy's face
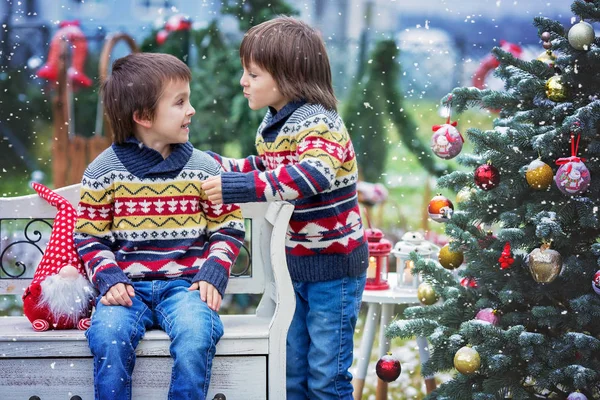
{"points": [[172, 117], [260, 88]]}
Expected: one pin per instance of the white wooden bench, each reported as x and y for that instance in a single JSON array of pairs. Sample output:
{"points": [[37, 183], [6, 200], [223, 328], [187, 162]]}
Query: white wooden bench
{"points": [[250, 360]]}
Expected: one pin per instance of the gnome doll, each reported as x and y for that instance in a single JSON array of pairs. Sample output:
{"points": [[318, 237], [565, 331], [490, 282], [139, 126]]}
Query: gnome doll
{"points": [[60, 296]]}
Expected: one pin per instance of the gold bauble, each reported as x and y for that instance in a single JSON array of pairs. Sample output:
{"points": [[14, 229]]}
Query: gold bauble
{"points": [[548, 58], [426, 294], [450, 259], [464, 195], [545, 264], [467, 360], [539, 175], [555, 89]]}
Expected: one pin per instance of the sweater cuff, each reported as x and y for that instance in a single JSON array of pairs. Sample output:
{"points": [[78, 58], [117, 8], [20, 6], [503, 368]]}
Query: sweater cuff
{"points": [[213, 273], [237, 187], [109, 277]]}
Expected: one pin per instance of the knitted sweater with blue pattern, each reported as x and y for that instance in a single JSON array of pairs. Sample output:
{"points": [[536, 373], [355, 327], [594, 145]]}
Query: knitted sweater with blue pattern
{"points": [[144, 217], [305, 155]]}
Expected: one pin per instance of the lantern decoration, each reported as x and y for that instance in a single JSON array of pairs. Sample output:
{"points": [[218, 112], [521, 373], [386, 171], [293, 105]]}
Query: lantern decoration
{"points": [[556, 90], [596, 282], [447, 141], [544, 263], [388, 368], [467, 360], [440, 209], [539, 175], [572, 177], [411, 241], [379, 251], [488, 315], [487, 176], [450, 259], [581, 36], [426, 294]]}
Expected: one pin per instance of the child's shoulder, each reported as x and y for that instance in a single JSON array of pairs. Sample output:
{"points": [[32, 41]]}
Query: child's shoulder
{"points": [[201, 160], [106, 161], [309, 115]]}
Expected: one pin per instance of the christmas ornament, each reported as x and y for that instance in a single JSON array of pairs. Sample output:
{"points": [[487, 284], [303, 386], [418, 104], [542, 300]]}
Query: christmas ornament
{"points": [[581, 36], [388, 368], [547, 58], [440, 209], [468, 282], [450, 259], [544, 263], [577, 396], [556, 90], [487, 240], [539, 175], [572, 177], [446, 141], [506, 259], [464, 195], [427, 296], [487, 176], [467, 360], [60, 295], [488, 315], [596, 282]]}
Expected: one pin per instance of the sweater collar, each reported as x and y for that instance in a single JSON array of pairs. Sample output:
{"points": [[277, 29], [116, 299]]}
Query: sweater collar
{"points": [[275, 116], [144, 162]]}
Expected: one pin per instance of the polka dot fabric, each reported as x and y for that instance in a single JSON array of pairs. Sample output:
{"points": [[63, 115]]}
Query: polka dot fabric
{"points": [[60, 250]]}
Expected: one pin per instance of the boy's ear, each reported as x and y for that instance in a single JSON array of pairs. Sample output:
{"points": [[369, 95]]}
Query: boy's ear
{"points": [[142, 118]]}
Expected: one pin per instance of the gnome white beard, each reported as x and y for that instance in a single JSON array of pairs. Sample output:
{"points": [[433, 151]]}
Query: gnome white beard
{"points": [[67, 297]]}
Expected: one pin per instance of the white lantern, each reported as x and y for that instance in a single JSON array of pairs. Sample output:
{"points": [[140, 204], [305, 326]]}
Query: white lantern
{"points": [[411, 241]]}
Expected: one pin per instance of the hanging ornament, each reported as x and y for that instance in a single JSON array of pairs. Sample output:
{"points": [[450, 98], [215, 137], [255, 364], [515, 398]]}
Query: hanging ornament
{"points": [[447, 141], [581, 35], [547, 57], [468, 282], [572, 177], [464, 195], [596, 282], [544, 263], [450, 259], [506, 259], [467, 360], [427, 296], [487, 176], [577, 396], [388, 368], [487, 240], [440, 209], [556, 90], [539, 175], [488, 315]]}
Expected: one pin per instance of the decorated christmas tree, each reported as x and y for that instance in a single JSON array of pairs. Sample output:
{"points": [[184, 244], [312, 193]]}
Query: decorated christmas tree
{"points": [[519, 318]]}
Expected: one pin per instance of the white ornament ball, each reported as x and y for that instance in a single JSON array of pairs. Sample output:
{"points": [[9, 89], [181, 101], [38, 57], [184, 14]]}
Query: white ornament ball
{"points": [[581, 36]]}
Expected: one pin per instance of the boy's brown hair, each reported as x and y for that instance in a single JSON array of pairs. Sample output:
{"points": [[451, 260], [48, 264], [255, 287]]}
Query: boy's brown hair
{"points": [[136, 84], [295, 55]]}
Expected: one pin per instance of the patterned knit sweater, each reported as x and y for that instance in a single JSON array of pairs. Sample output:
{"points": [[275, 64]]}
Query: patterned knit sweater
{"points": [[305, 155], [144, 217]]}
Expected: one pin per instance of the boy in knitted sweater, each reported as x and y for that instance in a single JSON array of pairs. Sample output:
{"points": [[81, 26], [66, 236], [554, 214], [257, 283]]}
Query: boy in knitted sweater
{"points": [[305, 155], [158, 251]]}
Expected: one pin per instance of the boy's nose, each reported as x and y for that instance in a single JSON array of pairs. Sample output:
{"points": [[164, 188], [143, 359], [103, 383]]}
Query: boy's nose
{"points": [[191, 111]]}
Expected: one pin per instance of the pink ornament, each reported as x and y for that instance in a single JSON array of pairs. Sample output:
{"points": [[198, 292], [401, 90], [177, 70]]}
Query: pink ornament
{"points": [[488, 315], [447, 141], [468, 282], [573, 177], [161, 37], [596, 282]]}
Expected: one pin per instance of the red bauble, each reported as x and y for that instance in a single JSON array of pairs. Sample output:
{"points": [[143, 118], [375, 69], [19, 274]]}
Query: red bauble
{"points": [[468, 282], [440, 209], [388, 368], [487, 176]]}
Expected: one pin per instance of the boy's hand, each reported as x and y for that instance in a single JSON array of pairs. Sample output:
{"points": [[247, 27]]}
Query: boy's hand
{"points": [[118, 295], [212, 188], [208, 293]]}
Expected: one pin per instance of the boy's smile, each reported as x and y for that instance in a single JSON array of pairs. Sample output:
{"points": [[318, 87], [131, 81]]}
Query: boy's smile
{"points": [[260, 88]]}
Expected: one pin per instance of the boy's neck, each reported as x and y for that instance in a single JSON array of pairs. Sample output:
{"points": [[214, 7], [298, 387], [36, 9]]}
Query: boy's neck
{"points": [[163, 148]]}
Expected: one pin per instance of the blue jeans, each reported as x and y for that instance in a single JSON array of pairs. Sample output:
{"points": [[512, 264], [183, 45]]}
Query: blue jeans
{"points": [[320, 339], [194, 330]]}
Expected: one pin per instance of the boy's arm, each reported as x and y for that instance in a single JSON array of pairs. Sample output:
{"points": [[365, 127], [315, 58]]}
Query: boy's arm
{"points": [[248, 164], [225, 230], [93, 236], [321, 153]]}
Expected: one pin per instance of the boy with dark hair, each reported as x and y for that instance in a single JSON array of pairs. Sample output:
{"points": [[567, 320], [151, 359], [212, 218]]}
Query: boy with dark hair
{"points": [[156, 249], [304, 154]]}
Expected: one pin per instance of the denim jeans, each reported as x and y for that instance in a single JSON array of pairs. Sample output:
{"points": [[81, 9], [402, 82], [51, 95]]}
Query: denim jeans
{"points": [[320, 339], [194, 330]]}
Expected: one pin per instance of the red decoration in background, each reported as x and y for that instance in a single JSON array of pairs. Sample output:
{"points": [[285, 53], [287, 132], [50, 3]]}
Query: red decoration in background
{"points": [[490, 62], [506, 259], [70, 32], [468, 282], [175, 23]]}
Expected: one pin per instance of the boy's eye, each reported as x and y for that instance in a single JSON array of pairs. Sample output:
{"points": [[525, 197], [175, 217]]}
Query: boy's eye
{"points": [[180, 102], [252, 75]]}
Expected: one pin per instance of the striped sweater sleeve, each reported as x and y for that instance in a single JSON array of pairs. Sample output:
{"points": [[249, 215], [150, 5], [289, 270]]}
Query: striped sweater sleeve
{"points": [[250, 163], [93, 236], [320, 151]]}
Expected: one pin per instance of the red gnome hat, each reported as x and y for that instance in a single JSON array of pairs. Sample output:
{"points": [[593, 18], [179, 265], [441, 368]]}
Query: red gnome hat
{"points": [[60, 295]]}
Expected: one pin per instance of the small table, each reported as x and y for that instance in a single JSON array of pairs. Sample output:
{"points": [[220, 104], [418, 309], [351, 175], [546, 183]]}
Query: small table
{"points": [[384, 301]]}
